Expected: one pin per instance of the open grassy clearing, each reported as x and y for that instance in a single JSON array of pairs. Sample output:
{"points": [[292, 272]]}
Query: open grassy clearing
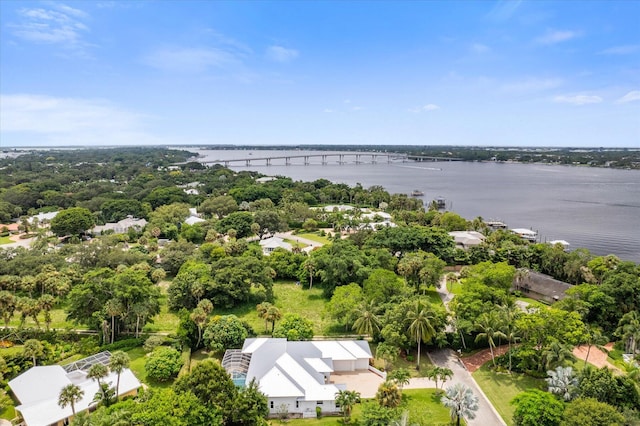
{"points": [[138, 357], [533, 303], [58, 321], [5, 240], [501, 388], [314, 236], [423, 405]]}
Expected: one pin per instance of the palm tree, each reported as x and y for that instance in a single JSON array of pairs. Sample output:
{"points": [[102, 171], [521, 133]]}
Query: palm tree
{"points": [[7, 306], [113, 307], [69, 395], [105, 395], [421, 319], [346, 399], [273, 314], [561, 381], [510, 313], [489, 326], [461, 402], [595, 337], [367, 322], [262, 309], [442, 373], [629, 331], [389, 395], [556, 355], [33, 348], [401, 377], [46, 303], [199, 317], [118, 362], [98, 372]]}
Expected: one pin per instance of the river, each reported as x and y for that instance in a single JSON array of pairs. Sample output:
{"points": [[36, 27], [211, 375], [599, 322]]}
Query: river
{"points": [[595, 208]]}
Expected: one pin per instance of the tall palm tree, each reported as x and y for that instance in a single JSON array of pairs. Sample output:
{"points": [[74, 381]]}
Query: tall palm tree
{"points": [[272, 315], [421, 319], [69, 395], [113, 308], [461, 402], [489, 326], [403, 420], [367, 321], [510, 312], [346, 399], [118, 362], [98, 372], [387, 352], [595, 337], [199, 317], [46, 302], [262, 309], [629, 330]]}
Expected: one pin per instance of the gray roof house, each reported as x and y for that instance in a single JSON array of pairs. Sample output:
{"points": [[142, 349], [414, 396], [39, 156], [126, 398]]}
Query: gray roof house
{"points": [[541, 287], [121, 227], [297, 376]]}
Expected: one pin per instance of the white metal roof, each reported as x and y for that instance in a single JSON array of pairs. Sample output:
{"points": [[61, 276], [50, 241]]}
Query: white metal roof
{"points": [[319, 365], [254, 344], [359, 348], [276, 384], [334, 350], [38, 390]]}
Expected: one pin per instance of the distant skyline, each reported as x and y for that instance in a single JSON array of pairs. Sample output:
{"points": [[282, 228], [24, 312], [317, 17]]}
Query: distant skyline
{"points": [[496, 73]]}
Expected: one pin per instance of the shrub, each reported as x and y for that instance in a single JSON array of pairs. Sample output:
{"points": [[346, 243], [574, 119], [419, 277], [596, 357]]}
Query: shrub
{"points": [[163, 364]]}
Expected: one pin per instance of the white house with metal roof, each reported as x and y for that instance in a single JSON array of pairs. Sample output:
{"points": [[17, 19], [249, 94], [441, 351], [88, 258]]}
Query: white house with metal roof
{"points": [[270, 244], [38, 389], [297, 375]]}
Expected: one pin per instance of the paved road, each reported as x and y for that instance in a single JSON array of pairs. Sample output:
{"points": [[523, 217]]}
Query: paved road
{"points": [[486, 414]]}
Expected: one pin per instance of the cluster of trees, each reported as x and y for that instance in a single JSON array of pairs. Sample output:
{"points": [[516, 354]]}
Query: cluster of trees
{"points": [[591, 397]]}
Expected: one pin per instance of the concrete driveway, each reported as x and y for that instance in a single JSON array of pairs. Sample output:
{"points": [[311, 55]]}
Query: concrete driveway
{"points": [[365, 382]]}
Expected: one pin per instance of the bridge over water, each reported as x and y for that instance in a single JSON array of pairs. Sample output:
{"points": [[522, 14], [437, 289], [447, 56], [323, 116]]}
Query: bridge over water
{"points": [[339, 158]]}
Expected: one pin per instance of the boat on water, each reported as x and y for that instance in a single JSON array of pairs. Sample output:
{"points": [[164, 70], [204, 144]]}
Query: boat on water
{"points": [[495, 224], [417, 193], [563, 243], [526, 234], [441, 203]]}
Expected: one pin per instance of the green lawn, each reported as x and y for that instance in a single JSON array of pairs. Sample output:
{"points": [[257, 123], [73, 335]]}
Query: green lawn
{"points": [[501, 388], [433, 297], [5, 240], [314, 236], [289, 298], [138, 357], [455, 287], [58, 320], [165, 320], [423, 405]]}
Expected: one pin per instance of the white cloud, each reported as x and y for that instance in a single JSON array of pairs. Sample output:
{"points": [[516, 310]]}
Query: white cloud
{"points": [[281, 54], [531, 84], [621, 50], [191, 59], [632, 96], [556, 36], [60, 25], [427, 107], [70, 121], [578, 99], [480, 48]]}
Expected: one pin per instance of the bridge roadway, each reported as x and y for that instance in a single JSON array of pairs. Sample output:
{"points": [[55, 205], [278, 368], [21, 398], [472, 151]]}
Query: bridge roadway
{"points": [[340, 158]]}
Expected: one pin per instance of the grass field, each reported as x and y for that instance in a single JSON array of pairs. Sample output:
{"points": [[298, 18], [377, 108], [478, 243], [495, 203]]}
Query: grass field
{"points": [[138, 357], [58, 320], [401, 362], [423, 405], [533, 303], [501, 388], [5, 240], [314, 236]]}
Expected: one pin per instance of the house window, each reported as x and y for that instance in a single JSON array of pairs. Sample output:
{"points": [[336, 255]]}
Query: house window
{"points": [[271, 404]]}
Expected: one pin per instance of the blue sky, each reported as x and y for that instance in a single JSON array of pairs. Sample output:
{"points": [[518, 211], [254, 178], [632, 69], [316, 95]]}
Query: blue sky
{"points": [[512, 73]]}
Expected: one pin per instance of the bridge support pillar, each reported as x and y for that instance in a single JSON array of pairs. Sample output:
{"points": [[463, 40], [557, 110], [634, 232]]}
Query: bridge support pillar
{"points": [[268, 161], [306, 160], [287, 161], [324, 160], [357, 158], [247, 163]]}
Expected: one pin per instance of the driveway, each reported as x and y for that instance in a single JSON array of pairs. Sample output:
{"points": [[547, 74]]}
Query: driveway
{"points": [[365, 382], [486, 414]]}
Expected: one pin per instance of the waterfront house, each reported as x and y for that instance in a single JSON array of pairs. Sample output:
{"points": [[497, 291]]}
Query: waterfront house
{"points": [[466, 239], [270, 244], [120, 227], [541, 287]]}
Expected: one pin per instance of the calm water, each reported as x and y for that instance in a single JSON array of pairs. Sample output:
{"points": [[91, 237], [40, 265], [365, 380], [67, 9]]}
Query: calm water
{"points": [[590, 207]]}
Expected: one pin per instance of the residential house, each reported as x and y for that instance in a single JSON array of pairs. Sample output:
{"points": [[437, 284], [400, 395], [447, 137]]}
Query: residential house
{"points": [[38, 390], [298, 376], [120, 227], [540, 287], [466, 239], [270, 244]]}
